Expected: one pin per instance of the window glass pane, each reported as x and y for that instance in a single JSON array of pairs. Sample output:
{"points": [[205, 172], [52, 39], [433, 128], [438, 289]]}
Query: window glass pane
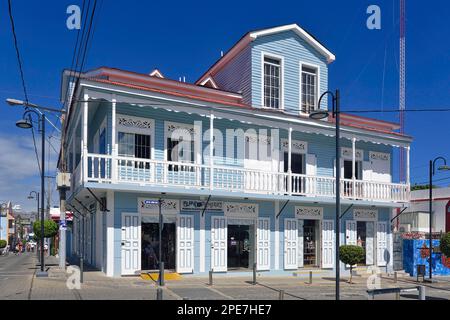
{"points": [[272, 82]]}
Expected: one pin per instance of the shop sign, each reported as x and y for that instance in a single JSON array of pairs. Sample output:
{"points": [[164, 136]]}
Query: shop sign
{"points": [[151, 206], [199, 205]]}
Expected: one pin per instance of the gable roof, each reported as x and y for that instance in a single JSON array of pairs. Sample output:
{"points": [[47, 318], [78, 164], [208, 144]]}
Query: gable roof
{"points": [[253, 35]]}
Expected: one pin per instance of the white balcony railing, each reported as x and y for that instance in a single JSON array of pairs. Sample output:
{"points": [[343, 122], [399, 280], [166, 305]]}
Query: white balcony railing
{"points": [[109, 169]]}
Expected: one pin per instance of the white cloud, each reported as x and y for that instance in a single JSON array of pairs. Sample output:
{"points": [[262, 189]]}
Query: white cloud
{"points": [[19, 173]]}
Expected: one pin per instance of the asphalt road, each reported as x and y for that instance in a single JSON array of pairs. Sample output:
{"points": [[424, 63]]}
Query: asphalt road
{"points": [[16, 275]]}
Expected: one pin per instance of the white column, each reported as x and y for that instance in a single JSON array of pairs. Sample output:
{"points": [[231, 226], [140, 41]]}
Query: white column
{"points": [[211, 151], [113, 141], [290, 161], [277, 236], [85, 137], [407, 166], [110, 234], [354, 166], [202, 243]]}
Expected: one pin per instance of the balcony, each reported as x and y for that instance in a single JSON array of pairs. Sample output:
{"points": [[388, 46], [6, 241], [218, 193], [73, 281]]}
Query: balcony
{"points": [[100, 168]]}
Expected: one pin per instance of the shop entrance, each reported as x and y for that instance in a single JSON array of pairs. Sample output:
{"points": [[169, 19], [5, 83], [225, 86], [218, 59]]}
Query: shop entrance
{"points": [[240, 246], [150, 246], [361, 236], [310, 243]]}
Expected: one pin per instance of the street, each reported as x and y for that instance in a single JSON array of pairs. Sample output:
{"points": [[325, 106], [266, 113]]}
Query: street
{"points": [[16, 275], [17, 281]]}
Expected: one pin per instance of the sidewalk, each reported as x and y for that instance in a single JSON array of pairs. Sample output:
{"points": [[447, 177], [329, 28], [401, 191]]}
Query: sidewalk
{"points": [[97, 286]]}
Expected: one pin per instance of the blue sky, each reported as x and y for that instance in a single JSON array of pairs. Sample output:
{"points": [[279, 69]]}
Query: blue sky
{"points": [[185, 38]]}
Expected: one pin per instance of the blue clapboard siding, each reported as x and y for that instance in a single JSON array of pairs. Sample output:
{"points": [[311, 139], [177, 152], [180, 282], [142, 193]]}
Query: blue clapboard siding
{"points": [[236, 75], [294, 50]]}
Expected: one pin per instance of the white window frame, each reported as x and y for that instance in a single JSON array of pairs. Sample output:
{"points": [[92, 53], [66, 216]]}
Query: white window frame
{"points": [[150, 132], [197, 155], [277, 57], [311, 65]]}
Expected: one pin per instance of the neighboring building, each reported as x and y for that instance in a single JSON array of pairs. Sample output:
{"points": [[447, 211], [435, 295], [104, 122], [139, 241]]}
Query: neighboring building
{"points": [[5, 207], [7, 229], [416, 217], [135, 138]]}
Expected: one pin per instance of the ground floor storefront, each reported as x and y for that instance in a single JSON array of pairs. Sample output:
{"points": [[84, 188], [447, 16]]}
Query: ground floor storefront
{"points": [[224, 235]]}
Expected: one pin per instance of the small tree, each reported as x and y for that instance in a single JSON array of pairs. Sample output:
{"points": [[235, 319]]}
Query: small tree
{"points": [[350, 254], [50, 229], [2, 244], [445, 244]]}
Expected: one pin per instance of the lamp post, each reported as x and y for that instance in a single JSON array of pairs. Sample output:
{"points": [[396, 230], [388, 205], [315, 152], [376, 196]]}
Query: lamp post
{"points": [[321, 114], [36, 196], [430, 202], [26, 123]]}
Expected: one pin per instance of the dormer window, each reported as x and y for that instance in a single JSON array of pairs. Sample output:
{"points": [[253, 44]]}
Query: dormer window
{"points": [[309, 88], [272, 82]]}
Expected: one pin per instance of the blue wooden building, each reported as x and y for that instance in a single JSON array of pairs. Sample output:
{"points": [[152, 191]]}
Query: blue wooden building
{"points": [[243, 174]]}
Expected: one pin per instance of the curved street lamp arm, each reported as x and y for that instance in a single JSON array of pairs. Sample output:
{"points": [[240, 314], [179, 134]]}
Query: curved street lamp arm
{"points": [[333, 97], [438, 158]]}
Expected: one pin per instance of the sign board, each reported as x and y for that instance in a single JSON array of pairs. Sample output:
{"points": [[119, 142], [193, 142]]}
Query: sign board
{"points": [[62, 225], [151, 206], [198, 205]]}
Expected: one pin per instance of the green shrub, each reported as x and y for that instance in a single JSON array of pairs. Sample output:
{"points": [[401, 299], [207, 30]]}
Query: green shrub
{"points": [[445, 244], [50, 229], [2, 244], [350, 254]]}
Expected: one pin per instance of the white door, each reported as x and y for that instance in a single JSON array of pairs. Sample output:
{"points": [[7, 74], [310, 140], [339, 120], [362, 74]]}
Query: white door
{"points": [[219, 244], [131, 243], [263, 244], [381, 243], [300, 243], [327, 243], [350, 233], [369, 242], [290, 244], [185, 244]]}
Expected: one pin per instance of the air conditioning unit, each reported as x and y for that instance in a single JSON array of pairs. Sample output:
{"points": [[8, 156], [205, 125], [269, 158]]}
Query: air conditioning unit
{"points": [[405, 227]]}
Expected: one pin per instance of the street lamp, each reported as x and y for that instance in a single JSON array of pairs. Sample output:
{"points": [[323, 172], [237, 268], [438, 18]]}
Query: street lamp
{"points": [[430, 201], [26, 123], [318, 115], [36, 196]]}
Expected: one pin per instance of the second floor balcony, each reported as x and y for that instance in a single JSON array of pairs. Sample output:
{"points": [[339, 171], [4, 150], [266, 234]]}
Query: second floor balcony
{"points": [[109, 169]]}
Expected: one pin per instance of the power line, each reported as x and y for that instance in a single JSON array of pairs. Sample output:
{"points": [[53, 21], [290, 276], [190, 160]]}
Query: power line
{"points": [[434, 180], [19, 60]]}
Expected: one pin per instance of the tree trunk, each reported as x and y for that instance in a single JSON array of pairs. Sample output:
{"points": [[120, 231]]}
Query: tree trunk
{"points": [[351, 274]]}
